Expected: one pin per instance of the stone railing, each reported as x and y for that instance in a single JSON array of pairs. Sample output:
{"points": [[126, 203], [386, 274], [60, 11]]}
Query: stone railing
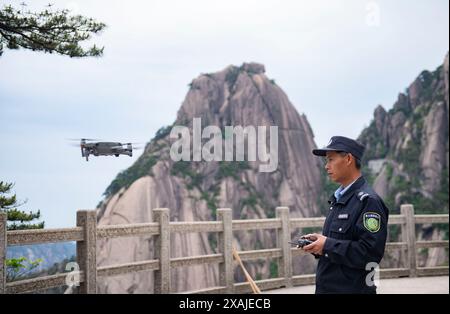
{"points": [[87, 232]]}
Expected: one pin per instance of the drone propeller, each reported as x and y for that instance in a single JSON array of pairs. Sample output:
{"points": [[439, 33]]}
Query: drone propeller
{"points": [[134, 143], [83, 139]]}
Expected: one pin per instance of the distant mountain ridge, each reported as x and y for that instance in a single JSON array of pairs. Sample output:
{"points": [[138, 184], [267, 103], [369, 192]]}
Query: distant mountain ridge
{"points": [[407, 147], [407, 156]]}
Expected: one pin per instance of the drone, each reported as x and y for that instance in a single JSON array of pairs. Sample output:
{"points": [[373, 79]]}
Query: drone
{"points": [[88, 147]]}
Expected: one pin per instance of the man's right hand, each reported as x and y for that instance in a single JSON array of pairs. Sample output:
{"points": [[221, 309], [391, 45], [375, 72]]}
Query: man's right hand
{"points": [[310, 237], [315, 247]]}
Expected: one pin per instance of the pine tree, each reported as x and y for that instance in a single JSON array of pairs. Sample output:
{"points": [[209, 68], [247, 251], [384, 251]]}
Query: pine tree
{"points": [[18, 268], [19, 219], [49, 31]]}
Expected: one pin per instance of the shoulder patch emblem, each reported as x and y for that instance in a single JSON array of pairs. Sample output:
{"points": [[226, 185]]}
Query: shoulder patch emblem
{"points": [[372, 221]]}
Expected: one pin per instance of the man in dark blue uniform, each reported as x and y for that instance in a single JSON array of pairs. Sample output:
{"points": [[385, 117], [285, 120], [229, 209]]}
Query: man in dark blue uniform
{"points": [[355, 229]]}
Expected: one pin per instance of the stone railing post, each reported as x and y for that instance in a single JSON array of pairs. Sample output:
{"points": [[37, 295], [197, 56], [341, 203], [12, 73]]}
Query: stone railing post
{"points": [[283, 238], [87, 250], [162, 251], [225, 244], [409, 236], [3, 217]]}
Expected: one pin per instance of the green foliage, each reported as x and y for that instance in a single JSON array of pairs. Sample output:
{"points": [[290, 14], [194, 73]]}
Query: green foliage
{"points": [[270, 212], [162, 132], [211, 199], [373, 140], [394, 232], [273, 82], [19, 219], [18, 215], [183, 169], [22, 268], [409, 157], [427, 78], [437, 204], [22, 226], [251, 201], [424, 252], [273, 269], [18, 268], [367, 173], [231, 169], [389, 171], [212, 239], [401, 184], [254, 198], [5, 201], [443, 227], [249, 71], [140, 168], [259, 245], [442, 195], [48, 31], [406, 111], [232, 76], [195, 179], [191, 86], [419, 114]]}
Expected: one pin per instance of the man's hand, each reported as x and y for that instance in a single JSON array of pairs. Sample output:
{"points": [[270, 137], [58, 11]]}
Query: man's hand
{"points": [[317, 246]]}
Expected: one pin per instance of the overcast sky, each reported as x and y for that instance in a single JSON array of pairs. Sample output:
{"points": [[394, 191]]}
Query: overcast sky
{"points": [[336, 60]]}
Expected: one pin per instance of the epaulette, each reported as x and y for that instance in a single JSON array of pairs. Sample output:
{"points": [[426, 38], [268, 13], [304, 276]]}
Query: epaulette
{"points": [[362, 195]]}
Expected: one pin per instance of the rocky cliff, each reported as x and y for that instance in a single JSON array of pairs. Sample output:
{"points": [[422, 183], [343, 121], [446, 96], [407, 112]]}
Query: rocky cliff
{"points": [[407, 151], [407, 147], [193, 190]]}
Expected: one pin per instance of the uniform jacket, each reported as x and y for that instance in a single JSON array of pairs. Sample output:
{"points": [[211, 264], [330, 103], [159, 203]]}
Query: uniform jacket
{"points": [[356, 231]]}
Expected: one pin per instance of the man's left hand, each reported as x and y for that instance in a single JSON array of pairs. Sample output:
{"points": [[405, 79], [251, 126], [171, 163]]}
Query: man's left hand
{"points": [[317, 246]]}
